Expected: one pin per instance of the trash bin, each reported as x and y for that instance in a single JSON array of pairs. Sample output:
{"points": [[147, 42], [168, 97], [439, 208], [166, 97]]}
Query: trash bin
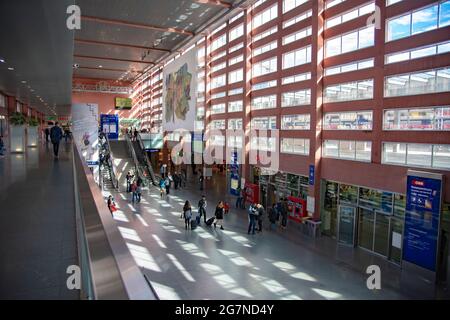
{"points": [[312, 227]]}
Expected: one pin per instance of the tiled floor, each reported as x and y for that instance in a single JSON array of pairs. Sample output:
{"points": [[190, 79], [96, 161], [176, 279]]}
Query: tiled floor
{"points": [[37, 224], [213, 264]]}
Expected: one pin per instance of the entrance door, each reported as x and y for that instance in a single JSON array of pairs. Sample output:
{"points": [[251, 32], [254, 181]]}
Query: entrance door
{"points": [[381, 238], [365, 230], [346, 225], [396, 231]]}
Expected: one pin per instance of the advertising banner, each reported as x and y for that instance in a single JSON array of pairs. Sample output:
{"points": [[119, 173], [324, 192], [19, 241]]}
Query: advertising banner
{"points": [[110, 125], [296, 208], [85, 131], [180, 92], [252, 192], [123, 103], [422, 215]]}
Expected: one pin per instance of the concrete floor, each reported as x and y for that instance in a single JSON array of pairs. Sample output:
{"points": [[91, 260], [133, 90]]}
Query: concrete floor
{"points": [[229, 264], [37, 224]]}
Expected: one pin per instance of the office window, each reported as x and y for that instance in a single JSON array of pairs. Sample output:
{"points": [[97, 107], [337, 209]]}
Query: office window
{"points": [[218, 67], [297, 19], [235, 60], [236, 32], [419, 21], [422, 82], [236, 47], [265, 48], [296, 122], [357, 120], [296, 78], [297, 35], [390, 2], [417, 155], [348, 150], [265, 16], [351, 41], [420, 119], [218, 95], [296, 98], [264, 123], [350, 15], [264, 102], [264, 67], [236, 91], [235, 106], [358, 65], [297, 57], [216, 140], [291, 4], [218, 81], [264, 34], [263, 143], [357, 90], [235, 142], [235, 76], [240, 14], [218, 56], [416, 53], [264, 85], [332, 3], [218, 108], [235, 124], [217, 124], [219, 42], [295, 146]]}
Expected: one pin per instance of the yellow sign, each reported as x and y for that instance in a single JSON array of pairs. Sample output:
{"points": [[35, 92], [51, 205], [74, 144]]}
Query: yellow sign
{"points": [[123, 103]]}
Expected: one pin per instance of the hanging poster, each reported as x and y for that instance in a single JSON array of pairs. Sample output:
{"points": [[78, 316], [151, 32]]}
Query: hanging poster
{"points": [[85, 131], [110, 125]]}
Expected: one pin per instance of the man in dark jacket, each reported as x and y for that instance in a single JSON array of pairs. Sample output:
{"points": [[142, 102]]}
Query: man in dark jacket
{"points": [[202, 208], [56, 135], [260, 210]]}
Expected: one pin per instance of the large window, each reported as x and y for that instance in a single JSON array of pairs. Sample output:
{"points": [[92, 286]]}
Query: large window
{"points": [[235, 106], [236, 32], [218, 81], [354, 120], [235, 60], [218, 67], [297, 19], [357, 65], [417, 155], [218, 108], [297, 35], [422, 82], [295, 146], [265, 102], [218, 55], [235, 76], [431, 118], [418, 21], [264, 34], [332, 3], [352, 41], [291, 4], [296, 122], [348, 150], [297, 57], [358, 90], [264, 123], [296, 98], [219, 42], [263, 143], [296, 78], [236, 47], [218, 95], [264, 85], [235, 141], [236, 91], [235, 124], [265, 16], [216, 140], [217, 124], [265, 48], [350, 15], [264, 67], [418, 53]]}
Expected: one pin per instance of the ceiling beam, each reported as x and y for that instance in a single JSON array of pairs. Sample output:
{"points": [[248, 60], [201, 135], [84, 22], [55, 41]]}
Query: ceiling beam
{"points": [[136, 25], [112, 59], [124, 45], [215, 3], [108, 69]]}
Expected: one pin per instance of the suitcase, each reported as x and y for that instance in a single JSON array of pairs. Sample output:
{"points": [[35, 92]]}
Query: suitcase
{"points": [[197, 220], [193, 225], [210, 221]]}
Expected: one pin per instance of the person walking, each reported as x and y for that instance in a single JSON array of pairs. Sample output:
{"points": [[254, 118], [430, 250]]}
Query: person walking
{"points": [[167, 184], [252, 215], [260, 211], [239, 198], [47, 134], [111, 205], [273, 215], [135, 135], [202, 208], [244, 198], [129, 176], [183, 177], [2, 146], [133, 191], [284, 213], [162, 186], [138, 191], [218, 214], [187, 213], [162, 170], [176, 180], [56, 136], [200, 180]]}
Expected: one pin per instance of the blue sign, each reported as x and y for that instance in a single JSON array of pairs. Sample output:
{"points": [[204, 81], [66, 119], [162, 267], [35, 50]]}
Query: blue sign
{"points": [[423, 204], [311, 175], [109, 124]]}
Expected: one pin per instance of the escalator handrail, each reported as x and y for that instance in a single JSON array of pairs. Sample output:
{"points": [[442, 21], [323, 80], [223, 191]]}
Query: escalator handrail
{"points": [[112, 169], [147, 161], [137, 166]]}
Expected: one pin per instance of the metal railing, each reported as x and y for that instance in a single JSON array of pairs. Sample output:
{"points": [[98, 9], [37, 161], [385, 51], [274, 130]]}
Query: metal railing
{"points": [[112, 168], [147, 160], [108, 270], [137, 165]]}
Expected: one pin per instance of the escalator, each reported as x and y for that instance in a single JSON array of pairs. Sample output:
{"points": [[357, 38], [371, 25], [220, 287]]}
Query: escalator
{"points": [[143, 160]]}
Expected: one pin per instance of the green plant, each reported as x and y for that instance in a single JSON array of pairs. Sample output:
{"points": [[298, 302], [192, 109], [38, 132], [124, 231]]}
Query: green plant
{"points": [[17, 119], [32, 122]]}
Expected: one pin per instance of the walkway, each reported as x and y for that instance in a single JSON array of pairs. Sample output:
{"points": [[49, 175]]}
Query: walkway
{"points": [[37, 224], [229, 264]]}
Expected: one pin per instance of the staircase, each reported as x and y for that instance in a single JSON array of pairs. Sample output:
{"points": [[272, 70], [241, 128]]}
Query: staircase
{"points": [[106, 179], [123, 161]]}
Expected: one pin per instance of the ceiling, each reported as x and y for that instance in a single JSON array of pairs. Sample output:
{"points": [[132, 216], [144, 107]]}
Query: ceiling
{"points": [[35, 41], [118, 40]]}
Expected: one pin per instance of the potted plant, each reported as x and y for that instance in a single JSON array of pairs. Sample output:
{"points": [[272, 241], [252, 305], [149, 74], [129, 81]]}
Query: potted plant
{"points": [[18, 122], [32, 132]]}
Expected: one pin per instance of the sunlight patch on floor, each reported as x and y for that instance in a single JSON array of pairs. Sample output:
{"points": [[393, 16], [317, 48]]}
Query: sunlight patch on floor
{"points": [[120, 216], [159, 241], [143, 258], [181, 268], [192, 249], [165, 292], [129, 234], [327, 294]]}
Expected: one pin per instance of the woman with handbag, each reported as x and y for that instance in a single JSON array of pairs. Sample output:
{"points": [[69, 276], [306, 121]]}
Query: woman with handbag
{"points": [[111, 205], [187, 213]]}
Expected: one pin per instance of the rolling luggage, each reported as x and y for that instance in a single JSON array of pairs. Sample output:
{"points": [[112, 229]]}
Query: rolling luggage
{"points": [[197, 220], [210, 221], [193, 224]]}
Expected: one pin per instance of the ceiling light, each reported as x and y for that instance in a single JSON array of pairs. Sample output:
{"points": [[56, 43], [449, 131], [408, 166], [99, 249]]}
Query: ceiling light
{"points": [[10, 68], [23, 81], [100, 66], [2, 60]]}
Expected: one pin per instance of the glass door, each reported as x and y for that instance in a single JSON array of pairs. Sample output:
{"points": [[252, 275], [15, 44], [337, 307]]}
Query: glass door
{"points": [[396, 236], [381, 237], [346, 225], [365, 230]]}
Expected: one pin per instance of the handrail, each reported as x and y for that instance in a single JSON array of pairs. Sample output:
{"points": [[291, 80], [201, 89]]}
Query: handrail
{"points": [[108, 269], [137, 166], [114, 179], [147, 161]]}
